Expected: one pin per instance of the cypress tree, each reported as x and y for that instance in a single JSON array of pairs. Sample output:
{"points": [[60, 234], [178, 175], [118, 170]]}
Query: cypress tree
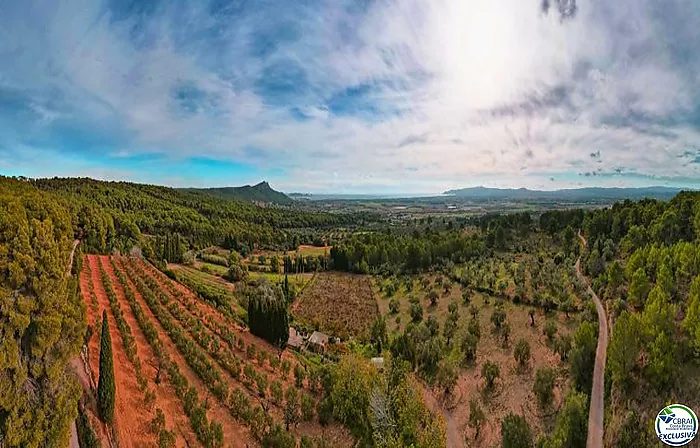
{"points": [[106, 390]]}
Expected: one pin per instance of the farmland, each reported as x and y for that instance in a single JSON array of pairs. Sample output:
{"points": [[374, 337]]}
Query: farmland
{"points": [[186, 361], [341, 304]]}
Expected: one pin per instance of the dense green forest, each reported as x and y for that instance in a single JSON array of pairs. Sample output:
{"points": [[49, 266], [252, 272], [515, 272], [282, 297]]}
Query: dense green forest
{"points": [[42, 318], [120, 214]]}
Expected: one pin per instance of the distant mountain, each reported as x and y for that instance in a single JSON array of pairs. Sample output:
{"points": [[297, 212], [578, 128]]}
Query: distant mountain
{"points": [[261, 192], [574, 194]]}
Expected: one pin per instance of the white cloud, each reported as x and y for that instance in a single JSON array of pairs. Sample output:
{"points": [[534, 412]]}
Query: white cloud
{"points": [[455, 90]]}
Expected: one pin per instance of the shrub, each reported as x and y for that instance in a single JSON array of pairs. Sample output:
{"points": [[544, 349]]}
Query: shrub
{"points": [[515, 432], [276, 392], [544, 386], [307, 407], [490, 372], [299, 375], [522, 352], [550, 329]]}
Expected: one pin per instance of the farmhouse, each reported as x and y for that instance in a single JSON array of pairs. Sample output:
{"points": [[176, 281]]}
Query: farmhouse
{"points": [[318, 342], [295, 340]]}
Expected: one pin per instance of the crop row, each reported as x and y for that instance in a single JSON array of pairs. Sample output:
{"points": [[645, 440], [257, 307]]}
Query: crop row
{"points": [[210, 434], [220, 299], [129, 344], [128, 340], [235, 400], [91, 289], [254, 381]]}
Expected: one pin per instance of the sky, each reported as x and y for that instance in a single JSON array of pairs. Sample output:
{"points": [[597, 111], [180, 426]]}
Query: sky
{"points": [[360, 96]]}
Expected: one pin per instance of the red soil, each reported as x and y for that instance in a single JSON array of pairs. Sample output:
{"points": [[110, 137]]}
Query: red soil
{"points": [[234, 433], [166, 399], [132, 419]]}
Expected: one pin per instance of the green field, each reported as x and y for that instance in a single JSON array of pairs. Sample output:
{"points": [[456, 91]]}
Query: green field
{"points": [[213, 268]]}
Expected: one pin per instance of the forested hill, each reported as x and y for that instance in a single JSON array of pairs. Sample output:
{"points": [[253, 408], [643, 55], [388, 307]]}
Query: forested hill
{"points": [[574, 194], [261, 192], [117, 214], [42, 318]]}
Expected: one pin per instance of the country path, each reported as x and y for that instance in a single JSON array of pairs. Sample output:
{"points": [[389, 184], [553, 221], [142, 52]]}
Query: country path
{"points": [[597, 408]]}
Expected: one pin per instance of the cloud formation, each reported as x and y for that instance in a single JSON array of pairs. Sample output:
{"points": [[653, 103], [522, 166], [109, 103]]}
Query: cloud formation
{"points": [[354, 95]]}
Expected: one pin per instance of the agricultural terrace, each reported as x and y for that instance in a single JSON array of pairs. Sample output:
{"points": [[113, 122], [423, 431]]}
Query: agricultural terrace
{"points": [[186, 372], [339, 304]]}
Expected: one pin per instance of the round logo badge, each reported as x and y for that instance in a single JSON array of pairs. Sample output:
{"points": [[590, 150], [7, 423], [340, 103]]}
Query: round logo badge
{"points": [[676, 425]]}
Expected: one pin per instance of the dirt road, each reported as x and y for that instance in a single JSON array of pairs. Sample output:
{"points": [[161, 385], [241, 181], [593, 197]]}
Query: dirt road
{"points": [[597, 409]]}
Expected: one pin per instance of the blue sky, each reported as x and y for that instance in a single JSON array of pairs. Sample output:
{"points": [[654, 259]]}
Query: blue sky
{"points": [[362, 96]]}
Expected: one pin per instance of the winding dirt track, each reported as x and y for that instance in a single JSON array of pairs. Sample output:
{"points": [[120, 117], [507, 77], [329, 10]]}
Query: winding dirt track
{"points": [[597, 409]]}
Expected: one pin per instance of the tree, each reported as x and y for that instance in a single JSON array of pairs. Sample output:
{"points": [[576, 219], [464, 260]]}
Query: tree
{"points": [[267, 313], [299, 375], [307, 407], [583, 356], [490, 372], [562, 346], [476, 416], [639, 288], [106, 389], [505, 333], [353, 381], [394, 306], [275, 264], [433, 296], [474, 327], [624, 347], [522, 352], [453, 307], [572, 422], [691, 323], [550, 329], [515, 432], [450, 327], [447, 376], [378, 334], [498, 317], [276, 392], [466, 296], [474, 311], [544, 386], [291, 408], [277, 437], [469, 344], [416, 312]]}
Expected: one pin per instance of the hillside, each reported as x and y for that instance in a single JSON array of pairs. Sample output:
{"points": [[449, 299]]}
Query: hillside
{"points": [[574, 194], [116, 215], [261, 192]]}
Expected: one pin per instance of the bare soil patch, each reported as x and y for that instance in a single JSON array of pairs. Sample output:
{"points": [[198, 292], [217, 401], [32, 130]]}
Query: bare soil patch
{"points": [[338, 303]]}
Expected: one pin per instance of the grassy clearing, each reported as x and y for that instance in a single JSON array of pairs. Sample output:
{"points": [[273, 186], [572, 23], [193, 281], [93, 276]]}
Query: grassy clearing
{"points": [[300, 280]]}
